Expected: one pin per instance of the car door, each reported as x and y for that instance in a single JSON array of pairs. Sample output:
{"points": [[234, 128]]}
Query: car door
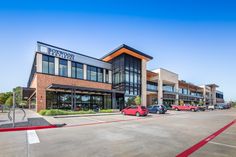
{"points": [[134, 109]]}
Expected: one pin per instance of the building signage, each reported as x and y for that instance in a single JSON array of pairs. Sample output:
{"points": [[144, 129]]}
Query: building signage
{"points": [[56, 52], [60, 54]]}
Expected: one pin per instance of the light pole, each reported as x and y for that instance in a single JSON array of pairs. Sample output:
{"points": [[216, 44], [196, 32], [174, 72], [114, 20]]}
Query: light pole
{"points": [[14, 103]]}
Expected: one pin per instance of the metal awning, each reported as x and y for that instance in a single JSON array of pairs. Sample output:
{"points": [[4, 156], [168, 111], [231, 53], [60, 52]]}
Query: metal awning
{"points": [[26, 93], [78, 88]]}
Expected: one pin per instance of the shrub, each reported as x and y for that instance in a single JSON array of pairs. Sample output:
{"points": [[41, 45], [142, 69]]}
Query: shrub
{"points": [[42, 112], [54, 112], [106, 111], [137, 100], [9, 101]]}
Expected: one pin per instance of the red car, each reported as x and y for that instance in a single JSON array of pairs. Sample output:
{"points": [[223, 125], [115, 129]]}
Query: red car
{"points": [[185, 108], [135, 110]]}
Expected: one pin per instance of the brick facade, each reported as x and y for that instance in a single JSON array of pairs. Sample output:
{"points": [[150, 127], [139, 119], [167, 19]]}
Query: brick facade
{"points": [[42, 81]]}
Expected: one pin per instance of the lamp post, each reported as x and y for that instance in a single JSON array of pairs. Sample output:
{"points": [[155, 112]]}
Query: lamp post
{"points": [[14, 106]]}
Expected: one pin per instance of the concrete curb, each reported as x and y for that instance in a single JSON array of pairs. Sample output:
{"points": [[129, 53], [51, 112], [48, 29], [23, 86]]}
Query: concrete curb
{"points": [[86, 115]]}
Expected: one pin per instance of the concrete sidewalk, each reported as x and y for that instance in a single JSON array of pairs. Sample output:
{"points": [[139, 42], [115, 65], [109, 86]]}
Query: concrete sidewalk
{"points": [[31, 119]]}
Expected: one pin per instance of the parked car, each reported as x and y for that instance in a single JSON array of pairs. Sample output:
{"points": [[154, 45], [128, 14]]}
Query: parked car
{"points": [[211, 107], [161, 109], [202, 108], [135, 110], [220, 106], [185, 107]]}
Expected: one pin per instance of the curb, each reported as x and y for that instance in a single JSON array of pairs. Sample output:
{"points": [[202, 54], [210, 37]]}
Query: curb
{"points": [[28, 128], [86, 115]]}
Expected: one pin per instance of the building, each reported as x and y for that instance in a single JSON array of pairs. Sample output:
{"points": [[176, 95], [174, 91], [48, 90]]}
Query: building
{"points": [[65, 79]]}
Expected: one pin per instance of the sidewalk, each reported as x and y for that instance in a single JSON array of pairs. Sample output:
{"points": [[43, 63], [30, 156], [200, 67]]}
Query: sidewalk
{"points": [[31, 119]]}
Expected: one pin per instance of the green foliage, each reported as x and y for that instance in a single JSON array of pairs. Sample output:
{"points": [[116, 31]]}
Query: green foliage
{"points": [[137, 100], [18, 95], [233, 104], [4, 97], [106, 111], [9, 101], [130, 101], [54, 112]]}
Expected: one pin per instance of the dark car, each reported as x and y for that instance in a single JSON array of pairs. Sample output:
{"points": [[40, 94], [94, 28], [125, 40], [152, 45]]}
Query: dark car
{"points": [[220, 106], [161, 109], [202, 108]]}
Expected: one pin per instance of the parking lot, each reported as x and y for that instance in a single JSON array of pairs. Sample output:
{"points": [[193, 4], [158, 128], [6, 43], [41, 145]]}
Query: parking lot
{"points": [[118, 135]]}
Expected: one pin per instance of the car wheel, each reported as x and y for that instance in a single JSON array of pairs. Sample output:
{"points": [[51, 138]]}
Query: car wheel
{"points": [[137, 114], [160, 112], [193, 110], [176, 109], [123, 113]]}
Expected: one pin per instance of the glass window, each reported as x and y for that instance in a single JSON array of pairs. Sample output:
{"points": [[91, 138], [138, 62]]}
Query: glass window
{"points": [[77, 70], [107, 76], [63, 70], [48, 65], [100, 74]]}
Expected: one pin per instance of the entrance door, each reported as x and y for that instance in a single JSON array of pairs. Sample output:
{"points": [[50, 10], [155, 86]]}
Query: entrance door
{"points": [[120, 101]]}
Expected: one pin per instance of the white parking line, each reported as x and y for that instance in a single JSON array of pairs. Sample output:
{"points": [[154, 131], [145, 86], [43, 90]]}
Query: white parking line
{"points": [[222, 144], [93, 119], [32, 137]]}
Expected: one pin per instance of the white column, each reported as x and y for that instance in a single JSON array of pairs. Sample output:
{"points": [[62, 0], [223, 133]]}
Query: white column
{"points": [[39, 61], [110, 77], [177, 94], [69, 68], [160, 91], [104, 75], [56, 66], [144, 83], [85, 71]]}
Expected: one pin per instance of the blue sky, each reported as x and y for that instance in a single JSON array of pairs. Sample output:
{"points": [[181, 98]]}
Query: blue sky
{"points": [[196, 39]]}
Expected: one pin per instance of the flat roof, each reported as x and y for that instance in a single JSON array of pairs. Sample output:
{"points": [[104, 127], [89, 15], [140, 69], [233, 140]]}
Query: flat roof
{"points": [[113, 53], [212, 85]]}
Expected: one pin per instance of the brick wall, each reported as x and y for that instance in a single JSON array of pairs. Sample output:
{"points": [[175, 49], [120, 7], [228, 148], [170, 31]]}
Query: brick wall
{"points": [[43, 81]]}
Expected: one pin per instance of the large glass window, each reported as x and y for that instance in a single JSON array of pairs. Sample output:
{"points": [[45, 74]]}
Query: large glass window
{"points": [[91, 73], [77, 70], [94, 73], [127, 74], [168, 88], [100, 74], [151, 86], [63, 70], [48, 65]]}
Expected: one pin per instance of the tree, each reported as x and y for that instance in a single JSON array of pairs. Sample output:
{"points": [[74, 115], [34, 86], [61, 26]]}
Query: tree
{"points": [[4, 97], [130, 101], [18, 96], [9, 101], [137, 100]]}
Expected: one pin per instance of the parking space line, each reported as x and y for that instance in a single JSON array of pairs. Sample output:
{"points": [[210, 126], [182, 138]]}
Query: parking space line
{"points": [[92, 119], [32, 137], [222, 144], [200, 144]]}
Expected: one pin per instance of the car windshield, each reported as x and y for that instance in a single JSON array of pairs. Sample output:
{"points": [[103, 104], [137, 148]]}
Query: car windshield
{"points": [[143, 107]]}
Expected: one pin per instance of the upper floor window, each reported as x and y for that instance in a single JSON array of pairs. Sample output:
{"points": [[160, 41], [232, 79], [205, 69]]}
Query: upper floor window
{"points": [[100, 74], [77, 70], [94, 74], [48, 64], [107, 76], [63, 70]]}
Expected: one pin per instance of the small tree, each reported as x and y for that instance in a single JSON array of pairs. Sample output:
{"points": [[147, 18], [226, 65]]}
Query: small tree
{"points": [[137, 100], [9, 101]]}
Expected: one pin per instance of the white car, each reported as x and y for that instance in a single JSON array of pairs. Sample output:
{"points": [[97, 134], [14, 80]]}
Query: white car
{"points": [[211, 107]]}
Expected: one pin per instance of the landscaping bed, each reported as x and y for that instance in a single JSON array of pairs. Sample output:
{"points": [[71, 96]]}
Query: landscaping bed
{"points": [[55, 112]]}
